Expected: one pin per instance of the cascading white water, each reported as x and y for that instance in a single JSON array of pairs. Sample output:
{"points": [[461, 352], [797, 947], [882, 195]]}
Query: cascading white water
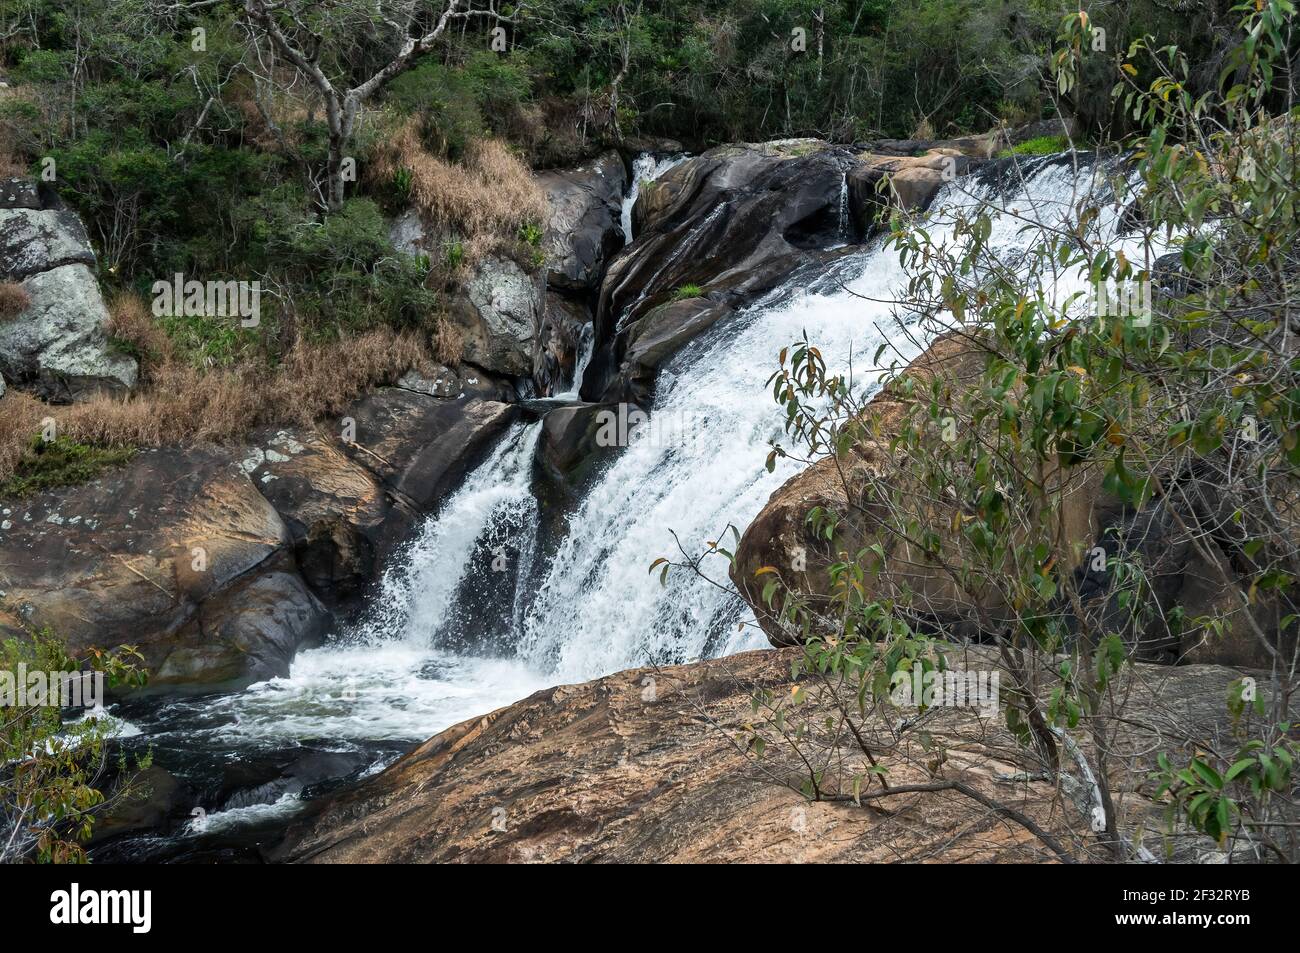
{"points": [[587, 606], [842, 225], [645, 168], [586, 348]]}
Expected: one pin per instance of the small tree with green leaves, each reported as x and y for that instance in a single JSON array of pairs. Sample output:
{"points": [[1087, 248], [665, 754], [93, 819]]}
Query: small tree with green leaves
{"points": [[57, 774], [1042, 501]]}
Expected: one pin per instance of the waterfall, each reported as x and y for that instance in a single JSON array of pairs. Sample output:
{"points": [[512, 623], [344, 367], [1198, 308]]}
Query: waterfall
{"points": [[582, 357], [487, 604], [645, 168], [842, 228]]}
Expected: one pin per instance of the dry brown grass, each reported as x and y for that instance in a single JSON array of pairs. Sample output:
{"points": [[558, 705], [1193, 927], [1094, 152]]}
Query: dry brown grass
{"points": [[130, 321], [485, 200], [448, 342], [13, 300], [183, 405], [9, 164]]}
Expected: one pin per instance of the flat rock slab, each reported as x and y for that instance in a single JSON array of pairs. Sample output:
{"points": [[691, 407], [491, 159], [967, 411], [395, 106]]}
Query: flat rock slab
{"points": [[641, 767]]}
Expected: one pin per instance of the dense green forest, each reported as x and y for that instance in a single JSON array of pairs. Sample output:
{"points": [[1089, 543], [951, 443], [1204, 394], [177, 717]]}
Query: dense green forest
{"points": [[190, 142]]}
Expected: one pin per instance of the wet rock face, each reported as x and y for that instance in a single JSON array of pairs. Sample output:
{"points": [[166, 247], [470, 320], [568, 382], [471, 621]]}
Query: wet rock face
{"points": [[732, 222], [57, 346], [555, 350], [583, 228], [641, 767]]}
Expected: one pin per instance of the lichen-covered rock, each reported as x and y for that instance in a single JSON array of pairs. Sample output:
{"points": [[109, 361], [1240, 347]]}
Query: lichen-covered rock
{"points": [[34, 240], [19, 192], [58, 345], [499, 313]]}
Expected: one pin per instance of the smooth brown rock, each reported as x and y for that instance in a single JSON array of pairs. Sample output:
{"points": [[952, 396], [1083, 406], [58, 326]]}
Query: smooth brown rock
{"points": [[641, 767], [132, 557], [780, 536], [582, 226], [420, 446]]}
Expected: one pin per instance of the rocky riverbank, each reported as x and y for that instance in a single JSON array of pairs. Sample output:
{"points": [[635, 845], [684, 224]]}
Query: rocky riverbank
{"points": [[650, 766], [220, 562]]}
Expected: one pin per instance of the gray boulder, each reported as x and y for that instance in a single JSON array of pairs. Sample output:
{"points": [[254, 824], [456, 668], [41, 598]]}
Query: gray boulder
{"points": [[499, 313], [58, 344], [35, 240], [17, 192]]}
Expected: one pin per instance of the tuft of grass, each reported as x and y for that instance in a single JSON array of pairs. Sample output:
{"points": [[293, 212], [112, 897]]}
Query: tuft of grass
{"points": [[60, 462], [209, 342], [1039, 146], [687, 291], [13, 300]]}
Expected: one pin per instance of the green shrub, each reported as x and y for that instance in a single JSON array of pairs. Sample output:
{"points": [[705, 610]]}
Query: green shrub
{"points": [[53, 788], [204, 341]]}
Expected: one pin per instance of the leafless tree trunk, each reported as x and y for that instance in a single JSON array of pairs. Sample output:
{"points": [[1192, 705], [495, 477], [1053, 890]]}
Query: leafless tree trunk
{"points": [[288, 31]]}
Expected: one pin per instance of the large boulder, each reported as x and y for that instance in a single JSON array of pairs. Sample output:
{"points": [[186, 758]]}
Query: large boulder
{"points": [[176, 553], [498, 313], [335, 510], [220, 564], [419, 447], [57, 345], [880, 184], [1184, 579], [643, 766], [582, 227], [733, 223], [781, 537]]}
